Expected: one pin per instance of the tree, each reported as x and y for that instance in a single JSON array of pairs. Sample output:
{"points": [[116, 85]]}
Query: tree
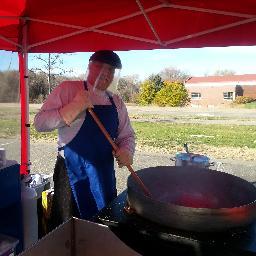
{"points": [[173, 74], [52, 66], [149, 88], [128, 88], [172, 94], [157, 81], [9, 86], [224, 72], [38, 87], [147, 92]]}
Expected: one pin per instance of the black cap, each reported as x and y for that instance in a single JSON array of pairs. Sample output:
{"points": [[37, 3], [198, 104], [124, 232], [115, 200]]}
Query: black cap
{"points": [[108, 57]]}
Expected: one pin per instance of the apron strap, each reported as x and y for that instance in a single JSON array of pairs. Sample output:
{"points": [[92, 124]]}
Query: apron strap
{"points": [[85, 86], [108, 94], [60, 148]]}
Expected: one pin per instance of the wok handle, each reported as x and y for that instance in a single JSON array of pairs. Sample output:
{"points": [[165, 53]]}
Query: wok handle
{"points": [[115, 147]]}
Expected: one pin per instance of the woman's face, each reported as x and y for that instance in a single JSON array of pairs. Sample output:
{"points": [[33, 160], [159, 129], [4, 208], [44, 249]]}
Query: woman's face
{"points": [[100, 75]]}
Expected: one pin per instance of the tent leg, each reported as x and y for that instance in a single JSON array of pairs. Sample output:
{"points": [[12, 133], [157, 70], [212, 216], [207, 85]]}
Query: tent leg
{"points": [[24, 100]]}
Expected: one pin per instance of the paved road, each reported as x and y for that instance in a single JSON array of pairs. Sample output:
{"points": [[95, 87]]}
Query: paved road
{"points": [[231, 113], [43, 157], [193, 115]]}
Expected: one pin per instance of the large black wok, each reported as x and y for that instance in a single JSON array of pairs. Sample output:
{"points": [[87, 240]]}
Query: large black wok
{"points": [[193, 199]]}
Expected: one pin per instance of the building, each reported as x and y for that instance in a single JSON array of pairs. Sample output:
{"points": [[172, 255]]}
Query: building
{"points": [[220, 90]]}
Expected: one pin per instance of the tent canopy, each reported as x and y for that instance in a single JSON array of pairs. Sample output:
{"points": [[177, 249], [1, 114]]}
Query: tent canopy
{"points": [[79, 25]]}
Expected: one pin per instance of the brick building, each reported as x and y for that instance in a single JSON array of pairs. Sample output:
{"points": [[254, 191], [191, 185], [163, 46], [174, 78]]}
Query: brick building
{"points": [[220, 90]]}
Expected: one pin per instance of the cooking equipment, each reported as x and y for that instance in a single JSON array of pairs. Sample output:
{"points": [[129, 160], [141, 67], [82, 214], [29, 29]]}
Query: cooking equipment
{"points": [[115, 147], [195, 199], [190, 159], [149, 238], [186, 147]]}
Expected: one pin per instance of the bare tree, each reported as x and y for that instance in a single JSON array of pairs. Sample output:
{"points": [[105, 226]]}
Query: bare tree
{"points": [[128, 87], [173, 74], [38, 86], [51, 65], [9, 86], [224, 72]]}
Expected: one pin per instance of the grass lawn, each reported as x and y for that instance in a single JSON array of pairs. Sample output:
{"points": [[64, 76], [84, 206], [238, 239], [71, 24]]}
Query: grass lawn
{"points": [[153, 134], [168, 135], [9, 120], [251, 105]]}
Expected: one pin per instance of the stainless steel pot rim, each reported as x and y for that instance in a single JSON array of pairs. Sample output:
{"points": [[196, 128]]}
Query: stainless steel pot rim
{"points": [[223, 210], [228, 201], [192, 157]]}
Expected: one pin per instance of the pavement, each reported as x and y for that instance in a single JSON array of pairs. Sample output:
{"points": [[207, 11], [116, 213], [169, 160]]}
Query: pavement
{"points": [[43, 157], [243, 169]]}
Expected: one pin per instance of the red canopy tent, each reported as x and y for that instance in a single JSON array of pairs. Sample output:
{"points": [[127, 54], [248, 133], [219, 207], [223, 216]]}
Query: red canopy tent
{"points": [[28, 26]]}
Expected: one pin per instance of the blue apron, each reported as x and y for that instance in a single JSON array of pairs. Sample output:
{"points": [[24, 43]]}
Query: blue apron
{"points": [[90, 163]]}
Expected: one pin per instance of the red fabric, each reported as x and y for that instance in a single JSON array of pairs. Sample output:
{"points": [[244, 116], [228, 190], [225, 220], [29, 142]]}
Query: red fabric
{"points": [[170, 24], [24, 132]]}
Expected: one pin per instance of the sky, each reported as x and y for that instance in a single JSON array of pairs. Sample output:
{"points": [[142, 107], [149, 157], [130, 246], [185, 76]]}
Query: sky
{"points": [[195, 61]]}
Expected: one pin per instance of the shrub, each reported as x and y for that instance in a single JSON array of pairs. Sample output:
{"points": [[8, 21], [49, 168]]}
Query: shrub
{"points": [[172, 94], [147, 93], [243, 100]]}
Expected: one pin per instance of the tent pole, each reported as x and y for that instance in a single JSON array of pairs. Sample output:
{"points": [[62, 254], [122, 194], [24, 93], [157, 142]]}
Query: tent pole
{"points": [[24, 99]]}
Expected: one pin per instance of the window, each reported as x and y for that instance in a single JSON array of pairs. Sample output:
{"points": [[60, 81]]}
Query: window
{"points": [[195, 95], [228, 95]]}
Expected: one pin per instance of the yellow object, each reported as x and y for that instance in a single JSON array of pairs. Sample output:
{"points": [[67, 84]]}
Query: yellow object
{"points": [[47, 197]]}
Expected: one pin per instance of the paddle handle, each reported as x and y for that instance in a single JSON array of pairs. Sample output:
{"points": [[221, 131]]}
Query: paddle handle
{"points": [[115, 147]]}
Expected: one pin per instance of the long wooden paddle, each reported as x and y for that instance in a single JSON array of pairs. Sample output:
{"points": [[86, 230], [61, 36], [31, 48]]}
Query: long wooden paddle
{"points": [[115, 147]]}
